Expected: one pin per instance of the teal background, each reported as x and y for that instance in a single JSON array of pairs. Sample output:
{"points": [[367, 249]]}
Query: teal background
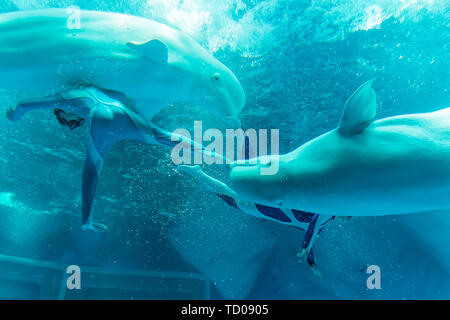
{"points": [[298, 62]]}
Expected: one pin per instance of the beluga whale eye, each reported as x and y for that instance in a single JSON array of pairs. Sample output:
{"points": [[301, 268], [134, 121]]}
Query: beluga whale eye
{"points": [[216, 76]]}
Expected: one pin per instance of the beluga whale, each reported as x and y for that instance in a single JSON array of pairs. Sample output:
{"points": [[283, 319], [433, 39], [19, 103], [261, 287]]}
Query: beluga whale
{"points": [[113, 73], [364, 167]]}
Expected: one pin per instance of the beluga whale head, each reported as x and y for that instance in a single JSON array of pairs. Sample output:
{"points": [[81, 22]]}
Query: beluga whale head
{"points": [[216, 88], [193, 75]]}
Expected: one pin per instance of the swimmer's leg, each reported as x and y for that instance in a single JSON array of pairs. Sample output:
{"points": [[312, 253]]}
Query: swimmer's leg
{"points": [[312, 263], [310, 237], [107, 126]]}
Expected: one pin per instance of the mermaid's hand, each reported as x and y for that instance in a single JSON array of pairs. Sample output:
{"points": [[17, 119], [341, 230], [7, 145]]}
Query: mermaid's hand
{"points": [[10, 114], [96, 227]]}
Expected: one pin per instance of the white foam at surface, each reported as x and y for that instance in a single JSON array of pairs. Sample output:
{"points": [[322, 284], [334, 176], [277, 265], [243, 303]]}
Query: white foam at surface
{"points": [[253, 27], [6, 199]]}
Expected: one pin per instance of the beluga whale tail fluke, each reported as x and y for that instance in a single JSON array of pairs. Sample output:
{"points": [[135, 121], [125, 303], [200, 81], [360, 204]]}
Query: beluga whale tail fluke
{"points": [[395, 165]]}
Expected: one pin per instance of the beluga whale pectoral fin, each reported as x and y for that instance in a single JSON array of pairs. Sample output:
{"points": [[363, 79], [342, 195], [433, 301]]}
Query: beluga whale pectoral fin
{"points": [[359, 110], [155, 50]]}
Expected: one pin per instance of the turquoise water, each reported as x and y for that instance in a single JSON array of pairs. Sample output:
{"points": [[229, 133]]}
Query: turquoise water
{"points": [[298, 62]]}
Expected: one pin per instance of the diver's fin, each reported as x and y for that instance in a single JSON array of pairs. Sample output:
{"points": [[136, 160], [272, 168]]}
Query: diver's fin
{"points": [[155, 50], [359, 110], [96, 227]]}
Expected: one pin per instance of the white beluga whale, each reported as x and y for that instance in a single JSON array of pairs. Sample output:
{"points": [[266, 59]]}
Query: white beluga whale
{"points": [[395, 165], [146, 61], [114, 73]]}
